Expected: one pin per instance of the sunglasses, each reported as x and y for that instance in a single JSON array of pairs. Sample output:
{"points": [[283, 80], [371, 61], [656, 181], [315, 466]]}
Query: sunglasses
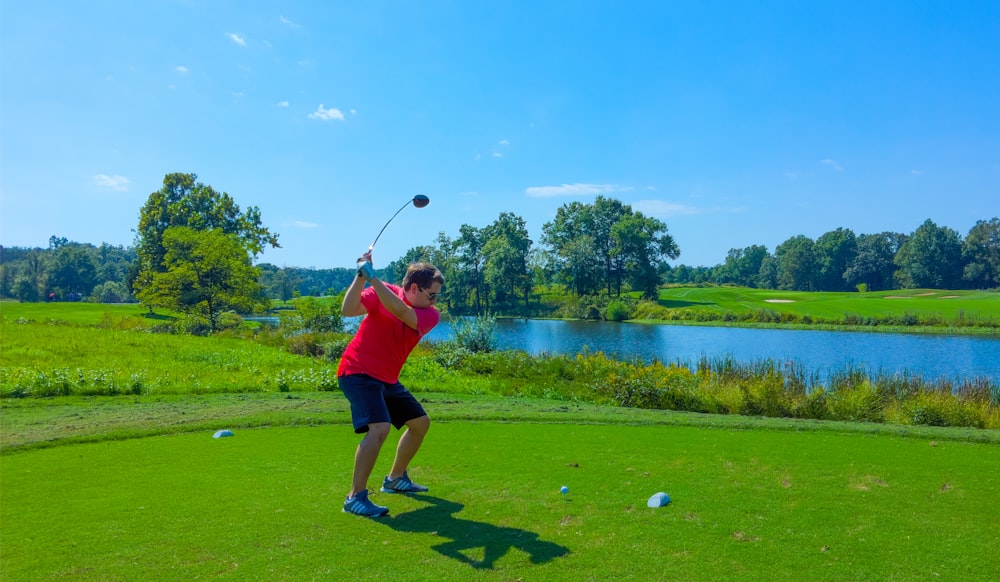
{"points": [[431, 296]]}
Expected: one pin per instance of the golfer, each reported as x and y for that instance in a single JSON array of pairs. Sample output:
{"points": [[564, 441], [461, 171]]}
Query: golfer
{"points": [[395, 320]]}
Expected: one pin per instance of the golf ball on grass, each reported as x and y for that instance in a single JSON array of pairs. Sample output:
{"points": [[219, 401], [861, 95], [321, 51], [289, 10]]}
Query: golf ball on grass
{"points": [[564, 490]]}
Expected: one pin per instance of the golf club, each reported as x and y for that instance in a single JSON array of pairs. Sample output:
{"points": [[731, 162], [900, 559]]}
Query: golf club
{"points": [[419, 201]]}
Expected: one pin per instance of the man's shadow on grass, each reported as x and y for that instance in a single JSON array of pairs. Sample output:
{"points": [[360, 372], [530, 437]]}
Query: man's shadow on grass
{"points": [[464, 534]]}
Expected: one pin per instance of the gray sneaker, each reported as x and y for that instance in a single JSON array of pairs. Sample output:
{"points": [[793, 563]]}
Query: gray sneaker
{"points": [[402, 485], [361, 505]]}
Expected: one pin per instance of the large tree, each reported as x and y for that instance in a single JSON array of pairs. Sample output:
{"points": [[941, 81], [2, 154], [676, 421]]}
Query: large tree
{"points": [[205, 273], [641, 247], [873, 264], [505, 254], [835, 251], [796, 264], [931, 258], [183, 201]]}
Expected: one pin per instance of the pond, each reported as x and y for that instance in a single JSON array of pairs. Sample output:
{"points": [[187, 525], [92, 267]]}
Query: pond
{"points": [[823, 352]]}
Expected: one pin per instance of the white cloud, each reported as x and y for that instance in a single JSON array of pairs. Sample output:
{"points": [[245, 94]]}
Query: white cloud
{"points": [[574, 190], [664, 209], [238, 39], [325, 114], [304, 224], [833, 164], [182, 69], [282, 103], [504, 142], [288, 22], [354, 111], [116, 182], [497, 154]]}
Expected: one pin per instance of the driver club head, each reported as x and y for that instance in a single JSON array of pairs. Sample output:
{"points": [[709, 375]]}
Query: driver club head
{"points": [[420, 200]]}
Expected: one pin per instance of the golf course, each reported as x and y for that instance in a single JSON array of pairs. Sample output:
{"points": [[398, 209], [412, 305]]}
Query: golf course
{"points": [[109, 471]]}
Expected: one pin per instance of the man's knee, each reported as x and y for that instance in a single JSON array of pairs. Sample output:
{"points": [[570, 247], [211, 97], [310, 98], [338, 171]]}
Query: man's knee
{"points": [[420, 424], [378, 431]]}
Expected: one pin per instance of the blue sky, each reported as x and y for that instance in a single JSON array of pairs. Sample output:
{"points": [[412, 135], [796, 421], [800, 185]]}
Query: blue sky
{"points": [[736, 123]]}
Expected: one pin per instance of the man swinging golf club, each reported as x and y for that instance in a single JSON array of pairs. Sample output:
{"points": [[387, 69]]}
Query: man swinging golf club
{"points": [[395, 318]]}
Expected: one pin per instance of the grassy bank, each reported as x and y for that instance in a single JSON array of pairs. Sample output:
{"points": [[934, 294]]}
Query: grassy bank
{"points": [[118, 356], [910, 310]]}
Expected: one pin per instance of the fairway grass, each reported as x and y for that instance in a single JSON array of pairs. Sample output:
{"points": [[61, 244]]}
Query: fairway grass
{"points": [[931, 310], [747, 504]]}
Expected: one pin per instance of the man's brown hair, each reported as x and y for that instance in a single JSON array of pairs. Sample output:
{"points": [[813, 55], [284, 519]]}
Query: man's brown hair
{"points": [[423, 274]]}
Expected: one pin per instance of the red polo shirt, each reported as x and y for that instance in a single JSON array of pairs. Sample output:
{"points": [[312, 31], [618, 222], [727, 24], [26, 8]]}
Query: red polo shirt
{"points": [[383, 342]]}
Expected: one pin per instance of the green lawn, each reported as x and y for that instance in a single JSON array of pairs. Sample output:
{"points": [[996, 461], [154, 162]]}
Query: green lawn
{"points": [[132, 486], [747, 504], [948, 304]]}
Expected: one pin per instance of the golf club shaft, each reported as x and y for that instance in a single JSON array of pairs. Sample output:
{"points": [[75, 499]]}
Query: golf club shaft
{"points": [[371, 246]]}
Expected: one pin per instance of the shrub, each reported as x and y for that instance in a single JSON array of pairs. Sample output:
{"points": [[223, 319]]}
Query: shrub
{"points": [[859, 403], [476, 334], [616, 311]]}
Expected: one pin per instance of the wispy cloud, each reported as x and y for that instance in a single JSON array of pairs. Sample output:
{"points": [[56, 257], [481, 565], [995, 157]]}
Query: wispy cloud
{"points": [[237, 39], [324, 114], [664, 209], [574, 190], [504, 142], [497, 154], [833, 164], [288, 22], [115, 182], [304, 224], [282, 103], [182, 69]]}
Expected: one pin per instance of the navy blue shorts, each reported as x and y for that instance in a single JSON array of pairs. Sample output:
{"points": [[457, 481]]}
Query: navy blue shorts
{"points": [[375, 401]]}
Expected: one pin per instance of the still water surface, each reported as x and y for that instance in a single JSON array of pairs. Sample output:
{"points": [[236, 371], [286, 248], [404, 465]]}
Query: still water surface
{"points": [[822, 352]]}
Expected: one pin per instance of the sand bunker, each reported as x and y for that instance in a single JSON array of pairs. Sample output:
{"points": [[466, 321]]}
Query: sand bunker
{"points": [[925, 294], [949, 297], [779, 300]]}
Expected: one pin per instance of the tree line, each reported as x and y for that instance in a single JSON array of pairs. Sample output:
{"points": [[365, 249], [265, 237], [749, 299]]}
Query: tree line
{"points": [[932, 256], [195, 250]]}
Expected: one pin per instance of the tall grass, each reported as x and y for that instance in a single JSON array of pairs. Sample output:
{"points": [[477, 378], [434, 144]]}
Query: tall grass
{"points": [[56, 358]]}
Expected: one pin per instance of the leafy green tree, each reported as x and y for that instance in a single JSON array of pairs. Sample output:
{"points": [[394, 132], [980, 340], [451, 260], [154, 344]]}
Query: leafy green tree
{"points": [[981, 254], [505, 254], [742, 266], [767, 276], [796, 264], [25, 289], [206, 273], [114, 263], [601, 219], [642, 245], [930, 258], [72, 269], [873, 264], [183, 201], [571, 238], [835, 251], [469, 266]]}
